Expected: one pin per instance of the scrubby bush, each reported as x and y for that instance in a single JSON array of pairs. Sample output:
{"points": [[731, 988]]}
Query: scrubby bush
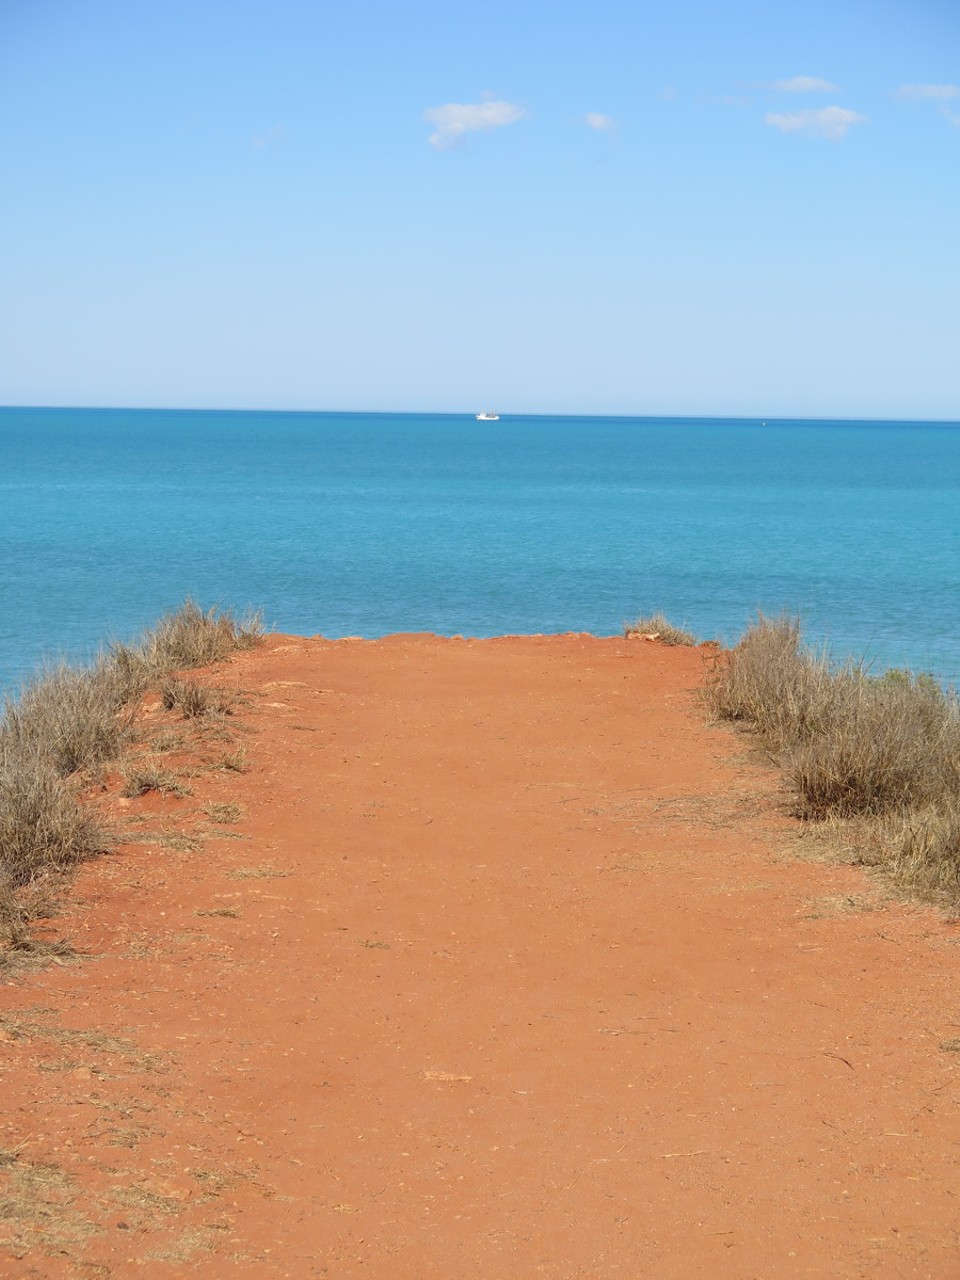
{"points": [[189, 637], [193, 700], [42, 827], [884, 750], [660, 628], [147, 776], [72, 719], [772, 682], [924, 849], [881, 747]]}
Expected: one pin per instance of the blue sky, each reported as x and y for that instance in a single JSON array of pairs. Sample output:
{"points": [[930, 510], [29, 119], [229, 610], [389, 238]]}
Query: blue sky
{"points": [[645, 208]]}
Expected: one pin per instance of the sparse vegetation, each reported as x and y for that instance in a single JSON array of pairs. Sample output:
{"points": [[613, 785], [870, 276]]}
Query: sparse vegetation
{"points": [[657, 627], [73, 718], [147, 777], [189, 637], [257, 873], [224, 813], [68, 722], [234, 761], [881, 751], [193, 700], [42, 827]]}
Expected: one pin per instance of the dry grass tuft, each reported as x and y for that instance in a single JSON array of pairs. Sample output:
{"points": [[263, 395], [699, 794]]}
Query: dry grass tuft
{"points": [[257, 873], [188, 637], [194, 700], [658, 627], [884, 751], [881, 748], [147, 777], [224, 813], [73, 717], [42, 827], [234, 761], [924, 849], [69, 722], [771, 682]]}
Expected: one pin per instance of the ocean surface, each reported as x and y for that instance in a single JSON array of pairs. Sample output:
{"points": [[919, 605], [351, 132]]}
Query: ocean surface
{"points": [[365, 524]]}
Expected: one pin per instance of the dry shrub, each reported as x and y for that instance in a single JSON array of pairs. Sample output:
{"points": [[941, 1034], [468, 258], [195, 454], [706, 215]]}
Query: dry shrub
{"points": [[65, 720], [189, 637], [14, 927], [147, 777], [193, 700], [881, 747], [772, 682], [661, 628], [42, 826], [234, 761], [884, 751], [224, 813], [924, 850], [72, 717]]}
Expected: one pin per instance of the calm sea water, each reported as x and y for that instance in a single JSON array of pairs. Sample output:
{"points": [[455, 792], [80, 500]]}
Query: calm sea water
{"points": [[364, 524]]}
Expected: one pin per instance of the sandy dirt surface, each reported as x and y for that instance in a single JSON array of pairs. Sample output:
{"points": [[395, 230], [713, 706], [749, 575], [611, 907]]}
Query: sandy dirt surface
{"points": [[495, 961]]}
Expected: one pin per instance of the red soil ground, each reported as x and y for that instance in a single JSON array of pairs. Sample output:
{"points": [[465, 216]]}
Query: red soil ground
{"points": [[512, 966]]}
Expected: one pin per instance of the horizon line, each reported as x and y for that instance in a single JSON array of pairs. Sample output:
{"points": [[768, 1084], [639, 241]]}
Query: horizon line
{"points": [[470, 413]]}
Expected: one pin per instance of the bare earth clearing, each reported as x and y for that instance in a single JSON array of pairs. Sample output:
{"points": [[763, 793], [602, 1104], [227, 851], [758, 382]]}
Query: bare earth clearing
{"points": [[510, 966]]}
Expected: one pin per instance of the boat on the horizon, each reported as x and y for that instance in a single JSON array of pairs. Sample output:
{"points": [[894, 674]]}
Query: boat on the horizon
{"points": [[488, 416]]}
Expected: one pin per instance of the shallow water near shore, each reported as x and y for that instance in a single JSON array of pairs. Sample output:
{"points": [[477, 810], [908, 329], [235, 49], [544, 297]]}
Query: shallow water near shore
{"points": [[366, 524]]}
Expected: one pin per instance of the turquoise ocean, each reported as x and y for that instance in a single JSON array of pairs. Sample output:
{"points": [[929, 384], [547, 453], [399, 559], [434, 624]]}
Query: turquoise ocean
{"points": [[366, 524]]}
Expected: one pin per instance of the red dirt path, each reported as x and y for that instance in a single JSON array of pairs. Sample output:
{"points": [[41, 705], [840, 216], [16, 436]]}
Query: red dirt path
{"points": [[517, 972]]}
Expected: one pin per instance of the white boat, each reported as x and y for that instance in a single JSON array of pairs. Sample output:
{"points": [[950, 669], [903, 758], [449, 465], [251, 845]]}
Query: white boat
{"points": [[488, 416]]}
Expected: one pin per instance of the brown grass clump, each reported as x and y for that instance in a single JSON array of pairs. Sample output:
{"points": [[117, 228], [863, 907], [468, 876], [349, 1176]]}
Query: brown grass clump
{"points": [[224, 813], [42, 827], [925, 850], [193, 700], [71, 717], [658, 627], [189, 637], [71, 720], [884, 751], [881, 748], [147, 777], [764, 680], [234, 761]]}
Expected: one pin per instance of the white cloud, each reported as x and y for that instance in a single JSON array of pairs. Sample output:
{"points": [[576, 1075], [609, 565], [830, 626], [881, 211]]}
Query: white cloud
{"points": [[803, 84], [824, 122], [597, 120], [951, 116], [938, 92], [457, 118]]}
